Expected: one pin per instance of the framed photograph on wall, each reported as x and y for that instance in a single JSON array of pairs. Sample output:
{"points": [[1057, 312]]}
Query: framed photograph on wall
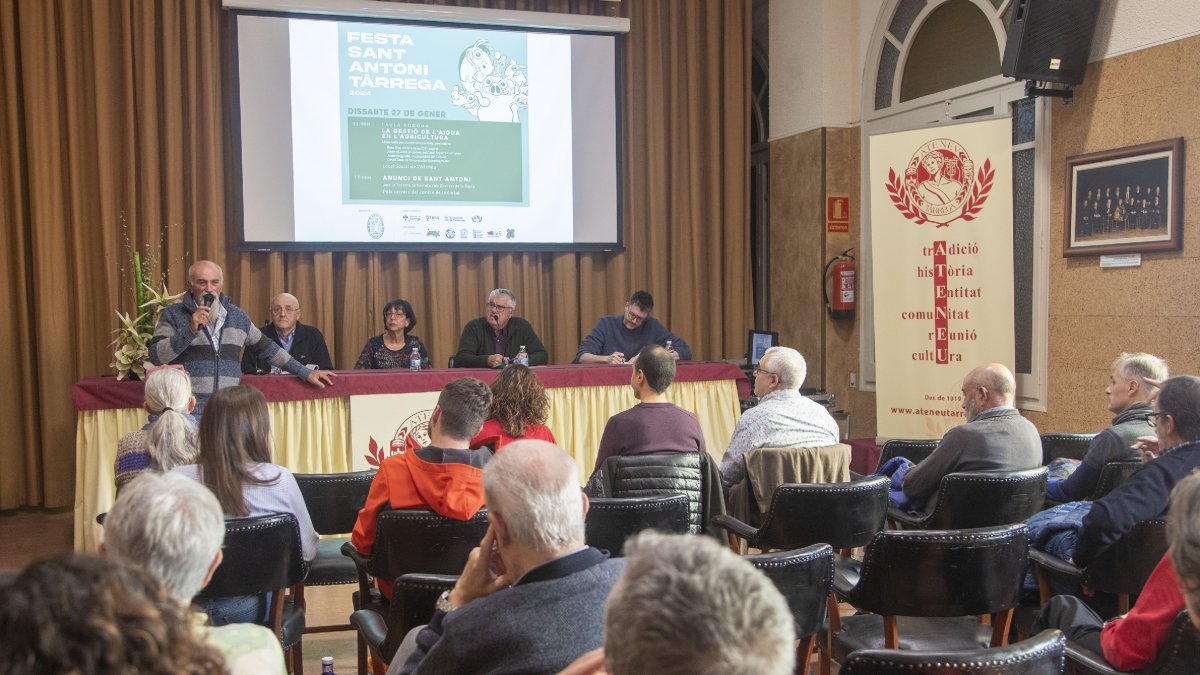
{"points": [[1128, 200]]}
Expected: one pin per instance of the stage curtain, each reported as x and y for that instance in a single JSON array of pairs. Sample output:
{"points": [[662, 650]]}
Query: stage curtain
{"points": [[114, 134]]}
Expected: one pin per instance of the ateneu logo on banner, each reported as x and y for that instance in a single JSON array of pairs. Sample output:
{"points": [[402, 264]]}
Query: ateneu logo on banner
{"points": [[383, 425], [941, 202]]}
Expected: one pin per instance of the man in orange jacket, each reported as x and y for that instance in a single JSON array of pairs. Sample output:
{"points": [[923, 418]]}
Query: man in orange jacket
{"points": [[444, 476]]}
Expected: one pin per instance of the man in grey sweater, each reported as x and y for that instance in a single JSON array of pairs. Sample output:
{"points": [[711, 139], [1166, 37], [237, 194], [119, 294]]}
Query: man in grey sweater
{"points": [[994, 438], [531, 597]]}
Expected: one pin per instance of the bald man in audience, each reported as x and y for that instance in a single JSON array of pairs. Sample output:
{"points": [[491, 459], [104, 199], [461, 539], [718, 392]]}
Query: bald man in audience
{"points": [[305, 343], [995, 436]]}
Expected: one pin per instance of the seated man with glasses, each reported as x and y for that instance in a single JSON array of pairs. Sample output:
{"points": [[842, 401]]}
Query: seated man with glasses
{"points": [[495, 339], [995, 437], [1080, 531], [306, 344], [782, 419], [618, 335]]}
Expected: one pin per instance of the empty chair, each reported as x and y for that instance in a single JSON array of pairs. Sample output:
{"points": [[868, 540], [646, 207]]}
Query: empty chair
{"points": [[844, 515], [689, 473], [805, 578], [979, 499], [610, 521], [263, 555], [1042, 654], [333, 501], [410, 540], [768, 468], [926, 589], [1179, 655], [914, 449], [1071, 446], [1120, 569]]}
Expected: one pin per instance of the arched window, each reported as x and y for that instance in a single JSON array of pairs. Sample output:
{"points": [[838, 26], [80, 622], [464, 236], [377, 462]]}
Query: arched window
{"points": [[937, 61]]}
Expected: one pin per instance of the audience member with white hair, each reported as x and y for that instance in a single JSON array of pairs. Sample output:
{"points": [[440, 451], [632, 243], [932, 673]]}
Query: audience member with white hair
{"points": [[173, 527], [686, 604], [168, 439], [1183, 532], [782, 419], [531, 597]]}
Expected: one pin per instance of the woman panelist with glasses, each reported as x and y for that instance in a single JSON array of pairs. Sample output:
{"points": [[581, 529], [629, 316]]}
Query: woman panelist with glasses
{"points": [[393, 347]]}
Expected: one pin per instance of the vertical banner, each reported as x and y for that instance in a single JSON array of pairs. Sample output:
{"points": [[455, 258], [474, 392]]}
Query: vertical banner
{"points": [[941, 241]]}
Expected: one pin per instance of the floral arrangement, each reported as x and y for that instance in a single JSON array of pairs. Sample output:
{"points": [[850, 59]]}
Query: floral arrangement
{"points": [[132, 344]]}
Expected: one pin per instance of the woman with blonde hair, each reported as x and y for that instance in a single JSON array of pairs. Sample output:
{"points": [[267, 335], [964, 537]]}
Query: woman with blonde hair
{"points": [[235, 463], [519, 409], [168, 439]]}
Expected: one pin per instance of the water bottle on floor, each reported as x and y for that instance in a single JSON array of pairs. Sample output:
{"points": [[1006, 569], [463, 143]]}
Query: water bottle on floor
{"points": [[327, 665]]}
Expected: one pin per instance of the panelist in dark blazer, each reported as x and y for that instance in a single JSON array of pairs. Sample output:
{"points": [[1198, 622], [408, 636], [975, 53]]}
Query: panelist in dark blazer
{"points": [[305, 343]]}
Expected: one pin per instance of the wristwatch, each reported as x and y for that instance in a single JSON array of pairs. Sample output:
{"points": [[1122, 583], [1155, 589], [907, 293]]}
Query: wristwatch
{"points": [[443, 603]]}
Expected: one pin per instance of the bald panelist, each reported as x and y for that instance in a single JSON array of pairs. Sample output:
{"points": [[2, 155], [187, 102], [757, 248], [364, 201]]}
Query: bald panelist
{"points": [[305, 343], [205, 332]]}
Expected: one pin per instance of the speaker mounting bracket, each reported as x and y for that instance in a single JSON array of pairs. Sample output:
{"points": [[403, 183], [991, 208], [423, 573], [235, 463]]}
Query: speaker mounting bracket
{"points": [[1032, 89]]}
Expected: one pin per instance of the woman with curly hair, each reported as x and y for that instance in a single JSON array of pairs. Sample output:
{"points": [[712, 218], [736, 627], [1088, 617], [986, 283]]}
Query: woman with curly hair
{"points": [[519, 410], [87, 614]]}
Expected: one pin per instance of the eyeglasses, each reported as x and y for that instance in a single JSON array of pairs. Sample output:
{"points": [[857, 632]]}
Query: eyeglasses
{"points": [[1152, 418], [284, 310], [767, 372], [634, 318], [498, 308], [394, 315]]}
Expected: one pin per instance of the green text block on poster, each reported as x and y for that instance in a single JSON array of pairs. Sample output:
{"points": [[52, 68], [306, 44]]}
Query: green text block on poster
{"points": [[420, 160]]}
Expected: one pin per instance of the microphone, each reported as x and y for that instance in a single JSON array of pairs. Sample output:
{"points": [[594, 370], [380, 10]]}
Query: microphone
{"points": [[209, 299]]}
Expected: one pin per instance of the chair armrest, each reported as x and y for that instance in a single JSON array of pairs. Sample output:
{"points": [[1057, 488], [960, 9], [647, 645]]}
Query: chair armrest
{"points": [[362, 562], [1090, 660], [855, 477], [735, 526], [1054, 565], [370, 626], [906, 519]]}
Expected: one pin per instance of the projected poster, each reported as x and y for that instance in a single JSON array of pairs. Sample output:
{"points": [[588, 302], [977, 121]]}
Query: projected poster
{"points": [[431, 119], [941, 236], [429, 134]]}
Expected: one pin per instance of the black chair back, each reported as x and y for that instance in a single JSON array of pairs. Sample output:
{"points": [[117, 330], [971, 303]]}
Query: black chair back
{"points": [[413, 599], [334, 499], [1124, 567], [657, 474], [843, 515], [805, 578], [1071, 446], [261, 554], [1042, 654], [987, 498], [942, 572], [612, 520], [914, 449], [419, 540], [1113, 475]]}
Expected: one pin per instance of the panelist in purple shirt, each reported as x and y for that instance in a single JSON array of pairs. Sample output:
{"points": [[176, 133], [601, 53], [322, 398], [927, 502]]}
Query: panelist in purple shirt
{"points": [[616, 338]]}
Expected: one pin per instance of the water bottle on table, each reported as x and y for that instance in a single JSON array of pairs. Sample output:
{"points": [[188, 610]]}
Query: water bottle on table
{"points": [[670, 349], [414, 360], [522, 357]]}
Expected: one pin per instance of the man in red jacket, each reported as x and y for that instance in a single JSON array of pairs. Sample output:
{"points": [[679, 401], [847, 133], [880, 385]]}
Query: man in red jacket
{"points": [[445, 476]]}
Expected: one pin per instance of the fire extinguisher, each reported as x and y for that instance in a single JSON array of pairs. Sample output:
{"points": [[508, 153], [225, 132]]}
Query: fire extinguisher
{"points": [[841, 268]]}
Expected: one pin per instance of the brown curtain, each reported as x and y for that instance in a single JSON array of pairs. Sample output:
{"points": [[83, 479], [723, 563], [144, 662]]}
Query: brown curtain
{"points": [[113, 134]]}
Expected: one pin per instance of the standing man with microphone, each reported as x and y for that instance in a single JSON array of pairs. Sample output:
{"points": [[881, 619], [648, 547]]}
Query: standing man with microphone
{"points": [[205, 332]]}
